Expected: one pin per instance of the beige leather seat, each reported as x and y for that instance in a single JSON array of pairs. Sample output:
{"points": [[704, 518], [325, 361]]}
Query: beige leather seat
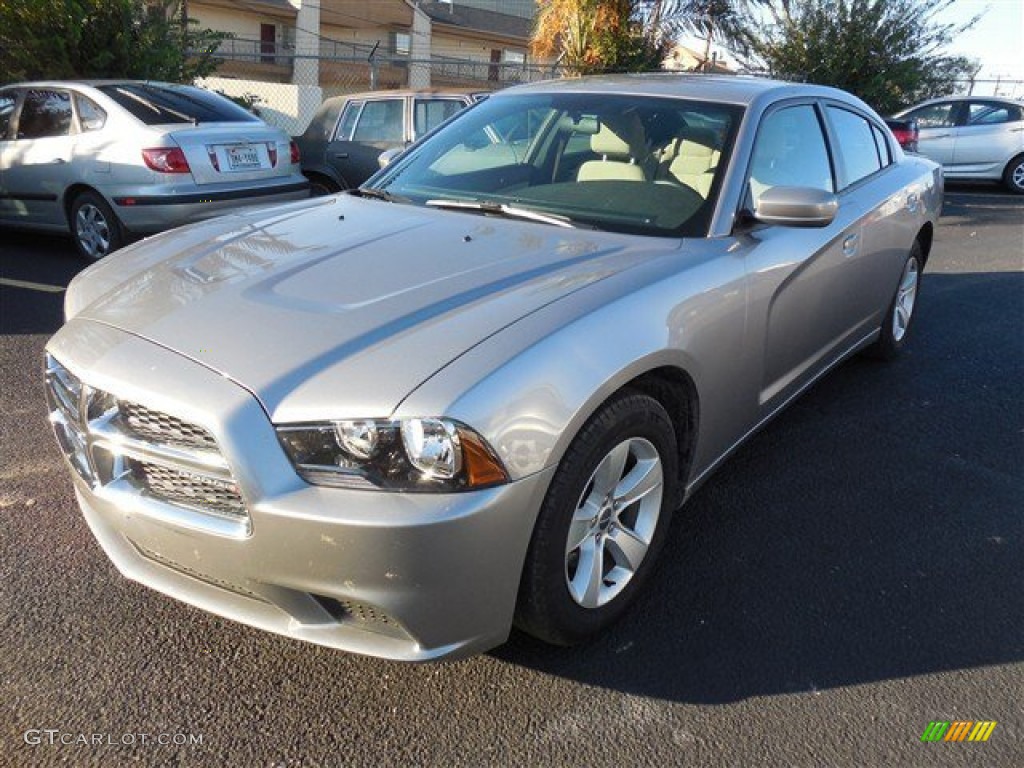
{"points": [[617, 161], [692, 160]]}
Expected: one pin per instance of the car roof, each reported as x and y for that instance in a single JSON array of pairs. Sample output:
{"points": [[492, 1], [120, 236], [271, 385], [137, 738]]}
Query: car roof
{"points": [[91, 82], [964, 97], [732, 89], [398, 93]]}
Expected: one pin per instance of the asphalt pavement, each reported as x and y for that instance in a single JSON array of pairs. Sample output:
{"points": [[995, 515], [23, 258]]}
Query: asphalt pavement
{"points": [[855, 572]]}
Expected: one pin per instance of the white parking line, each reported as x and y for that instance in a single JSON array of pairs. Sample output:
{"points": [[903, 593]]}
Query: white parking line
{"points": [[31, 286]]}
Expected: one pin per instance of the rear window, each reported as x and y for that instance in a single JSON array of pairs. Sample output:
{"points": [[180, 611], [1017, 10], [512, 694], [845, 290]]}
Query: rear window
{"points": [[163, 104]]}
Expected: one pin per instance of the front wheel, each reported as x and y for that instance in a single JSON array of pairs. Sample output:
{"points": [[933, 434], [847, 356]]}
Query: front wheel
{"points": [[1013, 176], [602, 523], [897, 322], [94, 227]]}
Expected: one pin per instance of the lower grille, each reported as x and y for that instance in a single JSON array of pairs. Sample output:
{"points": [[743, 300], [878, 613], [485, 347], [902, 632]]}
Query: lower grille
{"points": [[188, 489], [166, 562]]}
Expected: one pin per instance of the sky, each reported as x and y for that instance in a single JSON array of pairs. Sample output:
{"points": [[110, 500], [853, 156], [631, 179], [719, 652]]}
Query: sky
{"points": [[996, 41]]}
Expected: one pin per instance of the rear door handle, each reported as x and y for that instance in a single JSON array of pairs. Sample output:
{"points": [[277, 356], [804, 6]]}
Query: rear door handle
{"points": [[850, 244], [341, 156]]}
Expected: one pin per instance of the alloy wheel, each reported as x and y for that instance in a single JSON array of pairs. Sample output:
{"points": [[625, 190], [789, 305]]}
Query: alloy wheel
{"points": [[905, 298], [614, 523], [93, 231]]}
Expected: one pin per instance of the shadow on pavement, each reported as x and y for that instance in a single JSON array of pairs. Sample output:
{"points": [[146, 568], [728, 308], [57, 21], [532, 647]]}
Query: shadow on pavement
{"points": [[872, 532], [34, 268]]}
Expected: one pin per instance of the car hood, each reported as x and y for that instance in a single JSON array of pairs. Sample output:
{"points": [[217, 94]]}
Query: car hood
{"points": [[340, 307]]}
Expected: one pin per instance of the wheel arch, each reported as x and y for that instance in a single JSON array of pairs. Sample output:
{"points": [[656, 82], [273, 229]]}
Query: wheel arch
{"points": [[73, 191], [925, 236], [326, 172], [675, 390]]}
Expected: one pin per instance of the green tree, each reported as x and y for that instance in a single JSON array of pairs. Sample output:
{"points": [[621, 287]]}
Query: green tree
{"points": [[588, 36], [102, 38], [890, 53]]}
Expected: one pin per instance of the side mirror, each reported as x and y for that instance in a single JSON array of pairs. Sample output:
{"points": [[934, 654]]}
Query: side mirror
{"points": [[796, 207], [388, 156]]}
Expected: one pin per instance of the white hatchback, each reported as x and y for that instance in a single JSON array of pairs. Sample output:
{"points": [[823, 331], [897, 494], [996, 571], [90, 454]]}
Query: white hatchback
{"points": [[108, 159], [973, 138]]}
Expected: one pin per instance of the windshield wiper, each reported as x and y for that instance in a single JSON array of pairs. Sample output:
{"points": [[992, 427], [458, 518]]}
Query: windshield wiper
{"points": [[508, 211], [378, 194]]}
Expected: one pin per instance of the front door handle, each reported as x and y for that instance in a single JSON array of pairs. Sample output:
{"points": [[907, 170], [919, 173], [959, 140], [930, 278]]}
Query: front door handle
{"points": [[850, 244], [341, 156]]}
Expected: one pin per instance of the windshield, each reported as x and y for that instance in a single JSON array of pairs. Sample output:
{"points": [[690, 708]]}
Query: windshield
{"points": [[642, 165], [165, 104]]}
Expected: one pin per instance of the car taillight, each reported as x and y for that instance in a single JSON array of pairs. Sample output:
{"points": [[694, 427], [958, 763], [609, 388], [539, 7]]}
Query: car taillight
{"points": [[907, 137], [166, 160], [296, 156]]}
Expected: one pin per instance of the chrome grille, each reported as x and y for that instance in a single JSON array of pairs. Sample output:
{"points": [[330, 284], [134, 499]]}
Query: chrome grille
{"points": [[121, 447], [158, 427]]}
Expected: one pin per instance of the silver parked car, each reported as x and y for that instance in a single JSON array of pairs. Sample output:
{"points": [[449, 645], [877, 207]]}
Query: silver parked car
{"points": [[473, 392], [106, 159], [973, 137]]}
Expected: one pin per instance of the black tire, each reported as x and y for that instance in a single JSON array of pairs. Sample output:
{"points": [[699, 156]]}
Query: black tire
{"points": [[319, 186], [94, 227], [893, 336], [546, 607], [1013, 176]]}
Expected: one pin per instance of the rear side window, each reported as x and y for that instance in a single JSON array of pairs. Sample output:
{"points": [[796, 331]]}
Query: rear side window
{"points": [[164, 104], [91, 116], [856, 145], [882, 145], [430, 113], [992, 114], [790, 151], [381, 121], [45, 114], [348, 121], [7, 102]]}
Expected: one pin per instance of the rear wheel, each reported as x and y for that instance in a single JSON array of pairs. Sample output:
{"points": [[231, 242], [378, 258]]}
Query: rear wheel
{"points": [[900, 316], [602, 523], [94, 227], [321, 185], [1013, 176]]}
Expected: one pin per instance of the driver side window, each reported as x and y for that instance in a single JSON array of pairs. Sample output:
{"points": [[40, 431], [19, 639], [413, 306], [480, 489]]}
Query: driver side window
{"points": [[789, 151]]}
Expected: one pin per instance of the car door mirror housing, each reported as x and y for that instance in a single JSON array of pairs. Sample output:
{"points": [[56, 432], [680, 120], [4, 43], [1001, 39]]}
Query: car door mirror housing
{"points": [[387, 156], [796, 207]]}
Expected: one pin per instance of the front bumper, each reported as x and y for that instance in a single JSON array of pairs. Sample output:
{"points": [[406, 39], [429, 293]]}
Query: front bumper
{"points": [[412, 577]]}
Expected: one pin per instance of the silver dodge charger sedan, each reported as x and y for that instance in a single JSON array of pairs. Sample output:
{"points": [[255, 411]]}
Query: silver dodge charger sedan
{"points": [[471, 394]]}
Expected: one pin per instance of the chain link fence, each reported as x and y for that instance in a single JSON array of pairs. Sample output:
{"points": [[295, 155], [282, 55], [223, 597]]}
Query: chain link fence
{"points": [[285, 88]]}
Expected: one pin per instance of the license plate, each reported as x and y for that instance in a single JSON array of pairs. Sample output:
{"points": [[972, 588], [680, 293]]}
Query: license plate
{"points": [[243, 158]]}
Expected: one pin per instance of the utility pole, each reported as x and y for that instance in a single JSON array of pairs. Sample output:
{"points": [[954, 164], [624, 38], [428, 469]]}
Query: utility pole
{"points": [[184, 37]]}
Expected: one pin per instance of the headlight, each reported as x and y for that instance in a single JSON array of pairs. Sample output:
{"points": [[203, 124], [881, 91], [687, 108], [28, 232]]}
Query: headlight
{"points": [[437, 455]]}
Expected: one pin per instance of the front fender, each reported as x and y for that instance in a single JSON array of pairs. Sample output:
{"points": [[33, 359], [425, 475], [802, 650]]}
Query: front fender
{"points": [[530, 388]]}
